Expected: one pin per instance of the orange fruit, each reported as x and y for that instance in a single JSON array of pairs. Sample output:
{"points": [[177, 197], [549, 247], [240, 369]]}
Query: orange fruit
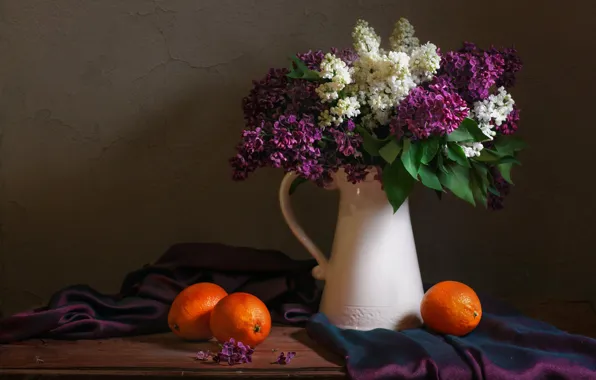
{"points": [[189, 314], [243, 317], [450, 307]]}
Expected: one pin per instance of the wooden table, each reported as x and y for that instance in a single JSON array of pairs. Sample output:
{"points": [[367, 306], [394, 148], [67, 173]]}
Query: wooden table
{"points": [[166, 356], [163, 356]]}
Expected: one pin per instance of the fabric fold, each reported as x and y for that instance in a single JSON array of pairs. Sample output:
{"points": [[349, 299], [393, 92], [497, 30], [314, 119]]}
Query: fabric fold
{"points": [[505, 345], [142, 304]]}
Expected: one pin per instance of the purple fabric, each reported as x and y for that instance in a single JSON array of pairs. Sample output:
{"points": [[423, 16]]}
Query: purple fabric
{"points": [[505, 345], [142, 305]]}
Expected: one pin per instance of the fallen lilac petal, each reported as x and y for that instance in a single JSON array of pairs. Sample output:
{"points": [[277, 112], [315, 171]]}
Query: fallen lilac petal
{"points": [[203, 355], [285, 358], [233, 352]]}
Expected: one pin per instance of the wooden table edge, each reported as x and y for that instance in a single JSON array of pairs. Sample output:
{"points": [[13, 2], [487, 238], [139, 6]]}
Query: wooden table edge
{"points": [[286, 372]]}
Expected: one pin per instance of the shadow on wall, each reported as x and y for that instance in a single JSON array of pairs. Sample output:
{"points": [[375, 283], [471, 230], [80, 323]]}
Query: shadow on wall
{"points": [[104, 205], [101, 201], [120, 121], [127, 191]]}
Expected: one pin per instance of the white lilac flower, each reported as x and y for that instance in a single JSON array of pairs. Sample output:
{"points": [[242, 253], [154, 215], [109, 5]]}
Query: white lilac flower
{"points": [[366, 41], [494, 109], [378, 100], [336, 69], [329, 91], [472, 149], [382, 116], [368, 121], [338, 72], [424, 62], [487, 129], [346, 108], [384, 79], [325, 119], [399, 65], [402, 39]]}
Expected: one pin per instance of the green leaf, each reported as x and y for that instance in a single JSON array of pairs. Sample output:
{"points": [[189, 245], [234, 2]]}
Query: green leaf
{"points": [[505, 170], [458, 181], [508, 160], [474, 130], [496, 157], [516, 143], [371, 144], [479, 183], [397, 183], [407, 143], [431, 147], [479, 195], [390, 151], [294, 74], [411, 157], [487, 155], [456, 153], [300, 64], [481, 168], [508, 145], [460, 135], [468, 131], [440, 164], [493, 190], [311, 75], [301, 71], [492, 186], [295, 183], [429, 178]]}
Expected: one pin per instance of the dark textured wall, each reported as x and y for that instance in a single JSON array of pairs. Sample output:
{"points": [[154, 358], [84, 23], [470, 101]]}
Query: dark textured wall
{"points": [[117, 119]]}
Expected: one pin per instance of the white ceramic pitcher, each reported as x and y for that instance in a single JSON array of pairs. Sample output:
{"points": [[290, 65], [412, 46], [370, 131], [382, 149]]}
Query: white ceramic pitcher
{"points": [[372, 279]]}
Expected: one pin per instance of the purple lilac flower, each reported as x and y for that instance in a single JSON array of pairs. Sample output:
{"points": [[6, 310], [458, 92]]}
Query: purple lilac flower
{"points": [[203, 355], [513, 64], [509, 126], [472, 71], [288, 143], [347, 55], [356, 172], [285, 359], [233, 352], [347, 141], [267, 97], [496, 202], [301, 98], [313, 59], [281, 128], [436, 110]]}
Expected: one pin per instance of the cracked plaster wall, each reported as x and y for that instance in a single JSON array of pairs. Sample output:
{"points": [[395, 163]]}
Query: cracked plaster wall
{"points": [[117, 119]]}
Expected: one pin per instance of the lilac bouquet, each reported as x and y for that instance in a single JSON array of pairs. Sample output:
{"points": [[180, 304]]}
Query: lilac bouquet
{"points": [[410, 114]]}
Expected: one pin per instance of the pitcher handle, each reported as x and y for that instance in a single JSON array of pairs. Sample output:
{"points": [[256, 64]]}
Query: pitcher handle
{"points": [[319, 271]]}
